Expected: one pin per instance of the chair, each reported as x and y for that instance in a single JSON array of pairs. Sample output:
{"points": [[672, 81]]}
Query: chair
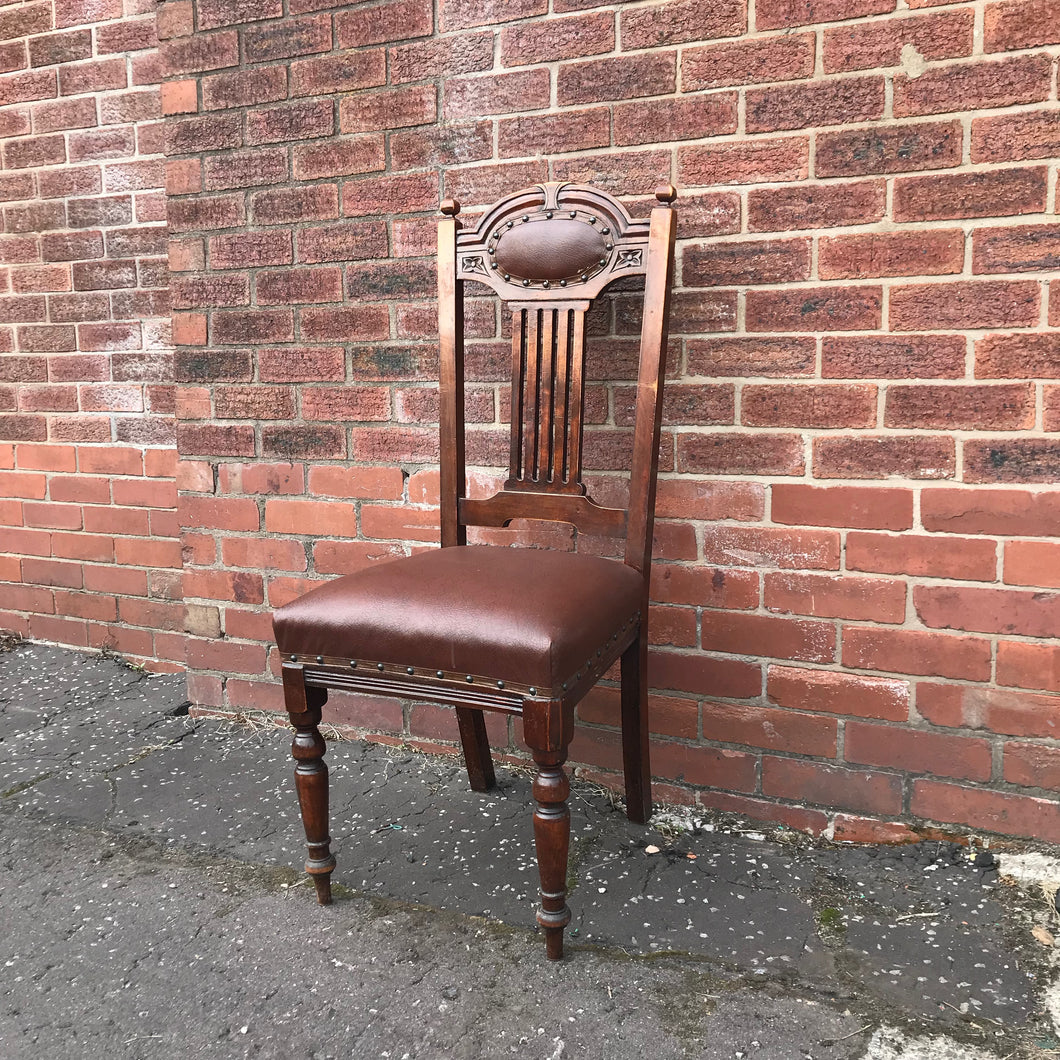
{"points": [[521, 631]]}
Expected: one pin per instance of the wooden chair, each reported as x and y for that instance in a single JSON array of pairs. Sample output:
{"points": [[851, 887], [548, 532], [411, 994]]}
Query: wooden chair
{"points": [[521, 631]]}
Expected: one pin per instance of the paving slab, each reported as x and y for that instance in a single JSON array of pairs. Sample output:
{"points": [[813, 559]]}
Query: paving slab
{"points": [[152, 858]]}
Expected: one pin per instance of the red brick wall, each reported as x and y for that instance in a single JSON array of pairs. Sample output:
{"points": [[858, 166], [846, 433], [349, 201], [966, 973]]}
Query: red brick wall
{"points": [[89, 549], [855, 588]]}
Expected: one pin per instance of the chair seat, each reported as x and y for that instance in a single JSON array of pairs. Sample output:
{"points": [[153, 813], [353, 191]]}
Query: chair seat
{"points": [[529, 616]]}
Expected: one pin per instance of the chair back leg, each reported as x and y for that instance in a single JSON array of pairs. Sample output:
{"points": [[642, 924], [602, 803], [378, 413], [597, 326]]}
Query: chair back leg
{"points": [[311, 775], [636, 763], [476, 745]]}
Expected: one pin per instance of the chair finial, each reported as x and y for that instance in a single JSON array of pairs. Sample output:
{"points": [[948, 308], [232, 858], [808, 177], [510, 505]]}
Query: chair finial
{"points": [[666, 193], [450, 207]]}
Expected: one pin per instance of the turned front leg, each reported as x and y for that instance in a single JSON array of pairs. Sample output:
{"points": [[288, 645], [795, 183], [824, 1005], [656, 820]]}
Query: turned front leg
{"points": [[310, 775], [552, 838], [311, 779]]}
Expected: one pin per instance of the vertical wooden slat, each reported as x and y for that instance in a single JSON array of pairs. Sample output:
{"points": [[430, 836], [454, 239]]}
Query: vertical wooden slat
{"points": [[531, 402], [515, 461], [561, 396], [577, 376], [450, 379], [658, 278], [543, 470]]}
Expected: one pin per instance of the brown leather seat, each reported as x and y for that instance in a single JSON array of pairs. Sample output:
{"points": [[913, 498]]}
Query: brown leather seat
{"points": [[523, 616]]}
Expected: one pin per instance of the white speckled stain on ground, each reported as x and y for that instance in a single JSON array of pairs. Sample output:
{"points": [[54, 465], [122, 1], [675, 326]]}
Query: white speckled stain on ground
{"points": [[889, 1043], [1030, 868]]}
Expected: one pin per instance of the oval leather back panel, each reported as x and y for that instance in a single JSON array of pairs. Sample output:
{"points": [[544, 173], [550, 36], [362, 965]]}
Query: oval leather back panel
{"points": [[549, 249]]}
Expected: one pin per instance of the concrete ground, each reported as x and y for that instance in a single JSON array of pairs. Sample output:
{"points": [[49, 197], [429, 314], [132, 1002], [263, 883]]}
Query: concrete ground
{"points": [[152, 904]]}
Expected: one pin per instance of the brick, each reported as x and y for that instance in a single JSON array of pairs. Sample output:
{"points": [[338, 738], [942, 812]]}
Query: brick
{"points": [[915, 652], [992, 811], [737, 454], [1015, 513], [32, 151], [691, 499], [287, 39], [1032, 563], [1028, 248], [202, 51], [294, 364], [24, 87], [756, 161], [796, 549], [347, 72], [615, 173], [384, 23], [226, 656], [961, 87], [217, 13], [998, 194], [212, 132], [861, 507], [346, 403], [546, 134], [826, 785], [825, 405], [1032, 765], [318, 442], [920, 253], [475, 97], [558, 38], [253, 403], [898, 148], [299, 286], [966, 304], [261, 478], [374, 483], [271, 554], [303, 120], [832, 692], [746, 262], [890, 456], [732, 678], [393, 108], [232, 327], [1012, 460], [680, 22], [777, 14], [768, 356], [782, 58], [989, 406], [60, 47], [706, 587], [917, 751], [815, 309], [893, 357], [623, 77], [129, 36], [484, 184], [946, 35], [390, 194], [215, 440], [464, 14], [985, 610], [464, 54], [796, 106], [830, 596], [250, 249], [342, 242], [775, 730], [640, 122], [815, 206], [362, 154], [362, 322], [244, 88], [1010, 26], [1016, 137], [314, 202], [1028, 665]]}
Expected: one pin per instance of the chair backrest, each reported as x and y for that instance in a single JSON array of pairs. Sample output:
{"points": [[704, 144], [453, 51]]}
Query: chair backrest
{"points": [[548, 251]]}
